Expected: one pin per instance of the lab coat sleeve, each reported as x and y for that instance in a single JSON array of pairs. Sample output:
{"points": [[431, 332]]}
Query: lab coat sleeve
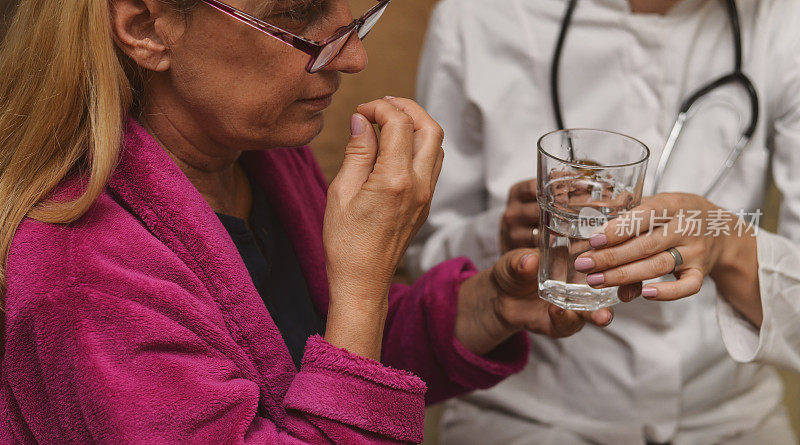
{"points": [[777, 342], [460, 222]]}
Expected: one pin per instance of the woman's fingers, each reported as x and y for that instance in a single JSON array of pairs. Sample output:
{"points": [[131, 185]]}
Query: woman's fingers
{"points": [[524, 191], [522, 237], [640, 247], [564, 323], [518, 224], [421, 117], [646, 269], [521, 214], [601, 317], [437, 169], [397, 134], [410, 138], [629, 292], [428, 136], [359, 156], [655, 211], [516, 277], [634, 248], [688, 283], [516, 273], [627, 226]]}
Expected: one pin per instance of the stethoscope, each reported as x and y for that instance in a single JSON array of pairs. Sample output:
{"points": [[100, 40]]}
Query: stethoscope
{"points": [[689, 106]]}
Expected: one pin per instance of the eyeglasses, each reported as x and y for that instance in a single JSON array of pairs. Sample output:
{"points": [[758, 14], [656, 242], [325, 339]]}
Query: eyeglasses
{"points": [[322, 53]]}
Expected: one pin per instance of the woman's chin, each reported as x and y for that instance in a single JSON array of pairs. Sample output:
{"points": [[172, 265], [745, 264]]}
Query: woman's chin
{"points": [[296, 134], [310, 132]]}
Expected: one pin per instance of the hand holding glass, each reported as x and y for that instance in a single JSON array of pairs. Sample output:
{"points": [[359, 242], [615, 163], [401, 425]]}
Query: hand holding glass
{"points": [[585, 178]]}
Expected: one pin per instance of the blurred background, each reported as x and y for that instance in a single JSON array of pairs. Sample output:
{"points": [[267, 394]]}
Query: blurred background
{"points": [[394, 47]]}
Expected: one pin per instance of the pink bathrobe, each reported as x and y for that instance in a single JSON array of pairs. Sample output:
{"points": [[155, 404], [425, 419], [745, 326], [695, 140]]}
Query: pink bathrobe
{"points": [[139, 323]]}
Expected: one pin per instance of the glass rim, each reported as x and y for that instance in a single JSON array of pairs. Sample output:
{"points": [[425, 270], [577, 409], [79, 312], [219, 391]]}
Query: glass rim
{"points": [[589, 166]]}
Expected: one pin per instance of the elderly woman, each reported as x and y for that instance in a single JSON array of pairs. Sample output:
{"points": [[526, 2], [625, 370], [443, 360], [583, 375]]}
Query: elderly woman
{"points": [[167, 263]]}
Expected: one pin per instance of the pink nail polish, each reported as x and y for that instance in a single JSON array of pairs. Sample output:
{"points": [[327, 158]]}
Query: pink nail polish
{"points": [[595, 279], [598, 240], [649, 292], [583, 264]]}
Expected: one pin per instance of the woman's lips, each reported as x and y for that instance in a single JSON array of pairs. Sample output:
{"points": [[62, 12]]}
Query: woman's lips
{"points": [[317, 103]]}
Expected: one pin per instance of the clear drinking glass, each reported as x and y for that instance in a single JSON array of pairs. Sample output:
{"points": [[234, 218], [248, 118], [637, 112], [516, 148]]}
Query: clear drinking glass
{"points": [[585, 178]]}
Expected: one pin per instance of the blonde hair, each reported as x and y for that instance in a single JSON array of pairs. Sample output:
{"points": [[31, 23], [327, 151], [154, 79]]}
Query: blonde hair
{"points": [[65, 90], [63, 93]]}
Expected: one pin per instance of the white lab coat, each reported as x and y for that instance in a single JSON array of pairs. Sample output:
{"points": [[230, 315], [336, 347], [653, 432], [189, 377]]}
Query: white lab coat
{"points": [[689, 371]]}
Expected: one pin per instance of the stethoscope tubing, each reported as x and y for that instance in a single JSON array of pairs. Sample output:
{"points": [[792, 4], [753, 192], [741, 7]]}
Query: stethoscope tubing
{"points": [[687, 108]]}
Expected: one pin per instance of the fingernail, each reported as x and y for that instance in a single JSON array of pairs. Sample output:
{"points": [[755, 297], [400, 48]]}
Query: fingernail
{"points": [[610, 317], [595, 279], [389, 97], [356, 125], [598, 240], [525, 261], [649, 292], [582, 264]]}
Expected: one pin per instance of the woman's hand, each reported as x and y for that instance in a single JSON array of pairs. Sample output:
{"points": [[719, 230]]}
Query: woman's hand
{"points": [[710, 240], [520, 222], [376, 204], [503, 300]]}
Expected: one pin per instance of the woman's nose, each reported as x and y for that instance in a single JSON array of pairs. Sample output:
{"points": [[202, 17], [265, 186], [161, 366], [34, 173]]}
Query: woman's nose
{"points": [[352, 59]]}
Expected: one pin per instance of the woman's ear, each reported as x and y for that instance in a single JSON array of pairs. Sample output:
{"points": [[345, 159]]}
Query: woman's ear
{"points": [[138, 29]]}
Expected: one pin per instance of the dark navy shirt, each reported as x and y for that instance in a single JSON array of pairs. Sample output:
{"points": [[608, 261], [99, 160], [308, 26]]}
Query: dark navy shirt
{"points": [[275, 270]]}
